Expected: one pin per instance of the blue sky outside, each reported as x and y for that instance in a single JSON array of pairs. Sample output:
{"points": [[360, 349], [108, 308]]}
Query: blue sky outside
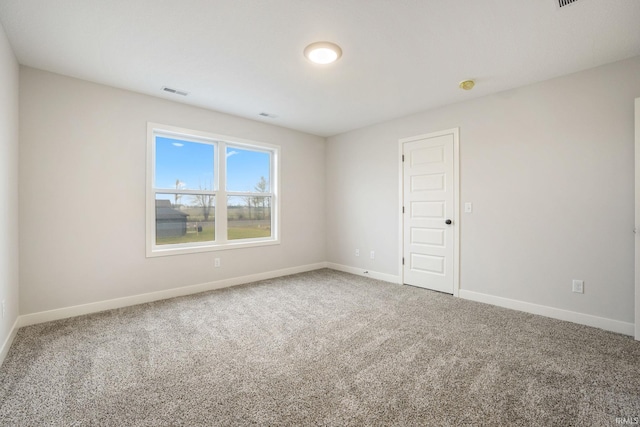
{"points": [[192, 164], [245, 168]]}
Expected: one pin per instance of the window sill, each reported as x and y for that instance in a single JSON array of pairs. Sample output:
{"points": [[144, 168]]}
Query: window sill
{"points": [[159, 251]]}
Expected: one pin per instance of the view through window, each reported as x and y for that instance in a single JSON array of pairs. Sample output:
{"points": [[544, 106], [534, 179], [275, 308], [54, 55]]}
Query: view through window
{"points": [[209, 191]]}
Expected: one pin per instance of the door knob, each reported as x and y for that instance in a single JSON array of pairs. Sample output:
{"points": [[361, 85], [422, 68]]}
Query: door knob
{"points": [[448, 222]]}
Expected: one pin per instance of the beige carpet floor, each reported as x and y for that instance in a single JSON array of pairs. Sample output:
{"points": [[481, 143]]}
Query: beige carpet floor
{"points": [[319, 348]]}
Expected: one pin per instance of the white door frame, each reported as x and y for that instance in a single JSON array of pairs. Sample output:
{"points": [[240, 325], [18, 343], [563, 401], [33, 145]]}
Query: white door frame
{"points": [[456, 200], [637, 220]]}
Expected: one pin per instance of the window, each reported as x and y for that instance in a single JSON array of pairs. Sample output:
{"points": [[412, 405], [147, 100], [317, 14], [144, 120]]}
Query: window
{"points": [[208, 192]]}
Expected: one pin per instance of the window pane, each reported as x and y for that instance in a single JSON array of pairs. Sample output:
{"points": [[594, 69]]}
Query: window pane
{"points": [[185, 218], [183, 165], [248, 217], [248, 170]]}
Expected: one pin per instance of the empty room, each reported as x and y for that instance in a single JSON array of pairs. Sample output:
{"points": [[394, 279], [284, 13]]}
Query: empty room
{"points": [[340, 213]]}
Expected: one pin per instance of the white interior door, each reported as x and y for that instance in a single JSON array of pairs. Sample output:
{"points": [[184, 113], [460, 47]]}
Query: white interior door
{"points": [[430, 218]]}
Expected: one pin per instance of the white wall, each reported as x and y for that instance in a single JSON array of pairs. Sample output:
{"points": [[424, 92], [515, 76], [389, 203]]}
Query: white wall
{"points": [[549, 169], [8, 190], [82, 195]]}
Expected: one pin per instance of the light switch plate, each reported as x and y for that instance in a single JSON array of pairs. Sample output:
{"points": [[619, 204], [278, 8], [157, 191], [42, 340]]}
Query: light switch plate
{"points": [[468, 207]]}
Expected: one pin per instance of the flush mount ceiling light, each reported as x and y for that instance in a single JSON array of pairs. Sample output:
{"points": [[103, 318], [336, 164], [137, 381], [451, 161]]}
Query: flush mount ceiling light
{"points": [[323, 52], [467, 84]]}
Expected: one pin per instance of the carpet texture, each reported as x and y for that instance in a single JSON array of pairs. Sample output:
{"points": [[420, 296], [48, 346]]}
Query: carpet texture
{"points": [[319, 348]]}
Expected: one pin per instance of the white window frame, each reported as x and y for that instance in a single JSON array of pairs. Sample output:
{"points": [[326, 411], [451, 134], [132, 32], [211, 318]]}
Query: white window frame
{"points": [[220, 142]]}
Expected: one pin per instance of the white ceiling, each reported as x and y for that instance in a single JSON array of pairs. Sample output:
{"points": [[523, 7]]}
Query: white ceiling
{"points": [[245, 57]]}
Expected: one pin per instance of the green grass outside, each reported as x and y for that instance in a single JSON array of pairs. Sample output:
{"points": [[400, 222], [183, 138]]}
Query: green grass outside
{"points": [[208, 235], [248, 233]]}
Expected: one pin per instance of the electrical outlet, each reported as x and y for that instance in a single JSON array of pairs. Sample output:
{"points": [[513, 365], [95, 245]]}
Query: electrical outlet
{"points": [[357, 252], [372, 255], [216, 262], [578, 286]]}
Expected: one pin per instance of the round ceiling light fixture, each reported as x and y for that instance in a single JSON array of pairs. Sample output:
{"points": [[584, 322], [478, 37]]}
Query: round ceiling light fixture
{"points": [[467, 84], [323, 52]]}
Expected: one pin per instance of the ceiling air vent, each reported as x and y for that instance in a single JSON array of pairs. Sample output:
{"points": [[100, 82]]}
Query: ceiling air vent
{"points": [[563, 3], [176, 91]]}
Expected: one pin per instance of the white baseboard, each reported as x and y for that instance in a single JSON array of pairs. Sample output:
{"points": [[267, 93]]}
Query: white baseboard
{"points": [[555, 313], [366, 273], [78, 310], [6, 345]]}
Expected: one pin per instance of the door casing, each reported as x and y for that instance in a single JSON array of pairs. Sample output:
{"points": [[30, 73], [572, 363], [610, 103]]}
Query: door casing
{"points": [[456, 200], [637, 220]]}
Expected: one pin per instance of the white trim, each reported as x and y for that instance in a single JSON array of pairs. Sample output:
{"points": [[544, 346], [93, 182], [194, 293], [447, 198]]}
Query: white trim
{"points": [[555, 313], [150, 202], [366, 273], [79, 310], [456, 201], [456, 211], [6, 345], [637, 219], [220, 144], [204, 247], [400, 210]]}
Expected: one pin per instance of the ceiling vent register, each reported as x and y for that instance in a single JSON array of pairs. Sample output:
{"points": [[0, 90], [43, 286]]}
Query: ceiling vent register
{"points": [[176, 91], [563, 3]]}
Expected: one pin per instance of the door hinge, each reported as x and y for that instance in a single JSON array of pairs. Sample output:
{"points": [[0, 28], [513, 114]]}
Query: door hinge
{"points": [[402, 260], [403, 209], [403, 157]]}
